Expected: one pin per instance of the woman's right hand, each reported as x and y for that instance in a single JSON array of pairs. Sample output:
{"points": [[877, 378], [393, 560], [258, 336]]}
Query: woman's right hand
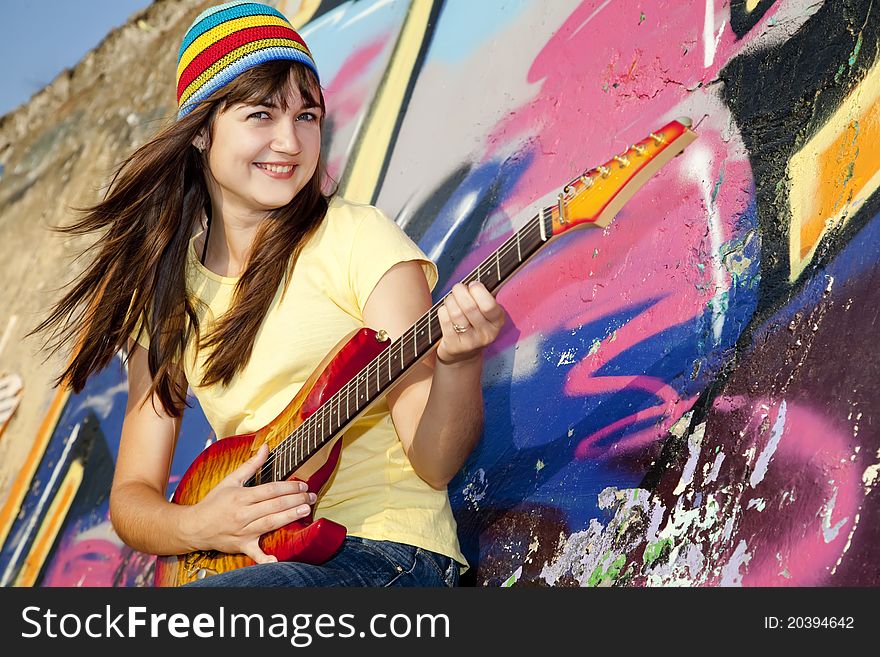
{"points": [[232, 517]]}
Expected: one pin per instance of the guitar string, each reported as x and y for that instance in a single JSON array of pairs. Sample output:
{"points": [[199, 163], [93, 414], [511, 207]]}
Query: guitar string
{"points": [[311, 422], [322, 414]]}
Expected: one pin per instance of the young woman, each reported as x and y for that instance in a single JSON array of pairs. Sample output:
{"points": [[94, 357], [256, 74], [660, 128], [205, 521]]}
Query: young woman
{"points": [[222, 267]]}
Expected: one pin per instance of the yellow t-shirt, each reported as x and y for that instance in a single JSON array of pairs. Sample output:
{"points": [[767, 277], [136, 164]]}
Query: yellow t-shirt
{"points": [[374, 493]]}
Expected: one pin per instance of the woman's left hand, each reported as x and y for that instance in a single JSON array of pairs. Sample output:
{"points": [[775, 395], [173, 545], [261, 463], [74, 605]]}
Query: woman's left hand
{"points": [[471, 319]]}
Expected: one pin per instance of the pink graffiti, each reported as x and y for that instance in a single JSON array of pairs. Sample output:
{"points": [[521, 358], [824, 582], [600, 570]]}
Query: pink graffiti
{"points": [[812, 491], [84, 562], [347, 93], [663, 249]]}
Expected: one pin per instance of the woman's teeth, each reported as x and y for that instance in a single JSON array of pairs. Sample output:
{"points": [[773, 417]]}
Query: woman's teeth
{"points": [[274, 168]]}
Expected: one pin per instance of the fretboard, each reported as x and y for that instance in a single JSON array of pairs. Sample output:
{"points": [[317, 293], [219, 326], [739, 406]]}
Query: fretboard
{"points": [[382, 372]]}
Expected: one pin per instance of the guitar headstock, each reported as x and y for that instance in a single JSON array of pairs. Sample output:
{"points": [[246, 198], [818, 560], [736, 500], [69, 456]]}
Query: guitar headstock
{"points": [[596, 196]]}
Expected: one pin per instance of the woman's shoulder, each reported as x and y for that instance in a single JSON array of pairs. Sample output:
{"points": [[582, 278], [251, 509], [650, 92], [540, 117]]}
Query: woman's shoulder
{"points": [[344, 211], [347, 222]]}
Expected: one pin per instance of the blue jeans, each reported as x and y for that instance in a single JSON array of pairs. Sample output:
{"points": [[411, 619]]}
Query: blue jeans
{"points": [[359, 562]]}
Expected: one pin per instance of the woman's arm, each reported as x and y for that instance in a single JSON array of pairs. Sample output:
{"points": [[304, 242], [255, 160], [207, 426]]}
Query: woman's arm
{"points": [[437, 408], [230, 518]]}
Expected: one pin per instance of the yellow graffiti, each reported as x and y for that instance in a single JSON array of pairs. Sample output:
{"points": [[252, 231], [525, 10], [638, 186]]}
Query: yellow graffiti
{"points": [[835, 172], [374, 136], [22, 484], [52, 524], [751, 4]]}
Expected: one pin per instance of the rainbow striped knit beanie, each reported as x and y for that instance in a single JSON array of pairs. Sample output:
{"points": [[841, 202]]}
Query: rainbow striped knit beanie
{"points": [[225, 41]]}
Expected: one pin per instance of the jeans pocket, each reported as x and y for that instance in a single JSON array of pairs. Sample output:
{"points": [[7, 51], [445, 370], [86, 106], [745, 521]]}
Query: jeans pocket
{"points": [[445, 567]]}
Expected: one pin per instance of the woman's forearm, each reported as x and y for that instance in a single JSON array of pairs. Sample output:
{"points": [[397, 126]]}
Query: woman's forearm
{"points": [[147, 522], [451, 423]]}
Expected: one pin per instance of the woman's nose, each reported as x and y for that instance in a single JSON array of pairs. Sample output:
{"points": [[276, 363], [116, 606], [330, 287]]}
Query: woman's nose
{"points": [[285, 139]]}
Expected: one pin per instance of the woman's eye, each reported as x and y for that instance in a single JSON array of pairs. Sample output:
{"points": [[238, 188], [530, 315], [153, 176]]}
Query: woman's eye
{"points": [[260, 116], [307, 116]]}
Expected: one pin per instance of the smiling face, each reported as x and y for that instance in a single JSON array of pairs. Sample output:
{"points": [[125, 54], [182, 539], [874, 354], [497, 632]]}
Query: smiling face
{"points": [[263, 151]]}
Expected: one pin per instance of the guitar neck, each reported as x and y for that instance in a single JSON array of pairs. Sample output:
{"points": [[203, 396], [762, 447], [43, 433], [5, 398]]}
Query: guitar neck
{"points": [[380, 374], [592, 199]]}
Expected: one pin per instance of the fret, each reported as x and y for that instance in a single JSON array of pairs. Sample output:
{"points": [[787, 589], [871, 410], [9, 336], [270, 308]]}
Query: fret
{"points": [[415, 343], [387, 357], [430, 312], [311, 428], [498, 264], [541, 225], [347, 411], [518, 250]]}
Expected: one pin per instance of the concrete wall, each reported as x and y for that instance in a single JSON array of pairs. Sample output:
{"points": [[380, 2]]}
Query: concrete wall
{"points": [[685, 398]]}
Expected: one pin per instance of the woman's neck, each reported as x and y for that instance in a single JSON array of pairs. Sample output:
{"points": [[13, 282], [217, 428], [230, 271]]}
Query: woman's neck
{"points": [[229, 242]]}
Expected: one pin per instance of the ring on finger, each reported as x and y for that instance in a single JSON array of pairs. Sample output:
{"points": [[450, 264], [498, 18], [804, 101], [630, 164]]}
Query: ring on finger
{"points": [[460, 329]]}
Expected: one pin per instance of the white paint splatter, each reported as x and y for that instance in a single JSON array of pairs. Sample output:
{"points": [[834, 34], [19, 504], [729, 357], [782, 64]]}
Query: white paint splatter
{"points": [[869, 477], [730, 574], [510, 581], [475, 490], [830, 280], [716, 467], [695, 441], [103, 403], [757, 502], [848, 543], [829, 533], [678, 429], [763, 462], [567, 357]]}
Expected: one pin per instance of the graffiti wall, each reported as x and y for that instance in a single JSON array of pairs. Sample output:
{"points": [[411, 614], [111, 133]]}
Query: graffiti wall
{"points": [[687, 397]]}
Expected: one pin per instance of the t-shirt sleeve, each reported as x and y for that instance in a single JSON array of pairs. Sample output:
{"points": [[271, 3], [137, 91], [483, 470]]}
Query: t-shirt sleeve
{"points": [[379, 244]]}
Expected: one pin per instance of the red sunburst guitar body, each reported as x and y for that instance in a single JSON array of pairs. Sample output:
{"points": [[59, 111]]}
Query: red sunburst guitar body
{"points": [[304, 439], [302, 540]]}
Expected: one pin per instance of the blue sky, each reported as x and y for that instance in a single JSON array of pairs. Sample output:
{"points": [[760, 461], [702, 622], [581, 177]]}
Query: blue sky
{"points": [[40, 38]]}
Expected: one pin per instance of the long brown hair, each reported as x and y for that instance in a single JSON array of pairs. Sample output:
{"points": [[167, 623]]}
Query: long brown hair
{"points": [[149, 213]]}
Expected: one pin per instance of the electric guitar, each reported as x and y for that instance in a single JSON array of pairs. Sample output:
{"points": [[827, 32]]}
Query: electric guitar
{"points": [[304, 439]]}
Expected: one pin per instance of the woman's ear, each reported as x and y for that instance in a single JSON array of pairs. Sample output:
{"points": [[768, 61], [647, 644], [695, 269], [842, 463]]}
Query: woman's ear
{"points": [[200, 142]]}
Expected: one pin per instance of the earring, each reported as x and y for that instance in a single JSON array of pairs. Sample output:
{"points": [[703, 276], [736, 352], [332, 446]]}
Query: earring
{"points": [[200, 145]]}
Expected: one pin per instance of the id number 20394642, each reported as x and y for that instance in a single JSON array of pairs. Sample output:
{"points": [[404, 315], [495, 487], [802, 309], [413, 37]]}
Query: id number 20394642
{"points": [[809, 622]]}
